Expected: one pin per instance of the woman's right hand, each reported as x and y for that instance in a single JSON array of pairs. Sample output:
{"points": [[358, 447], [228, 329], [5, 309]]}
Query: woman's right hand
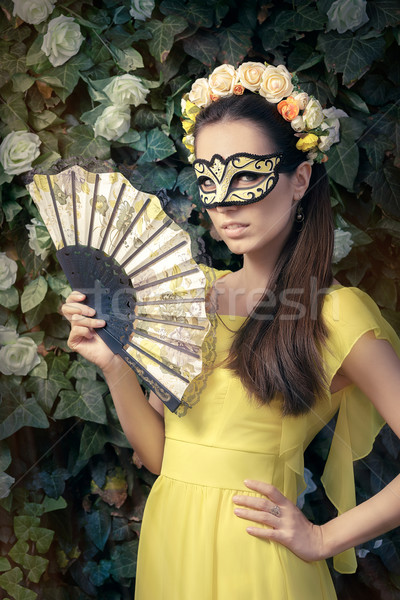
{"points": [[83, 337]]}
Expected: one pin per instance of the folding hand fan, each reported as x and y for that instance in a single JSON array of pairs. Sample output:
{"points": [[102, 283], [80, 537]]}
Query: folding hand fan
{"points": [[118, 246]]}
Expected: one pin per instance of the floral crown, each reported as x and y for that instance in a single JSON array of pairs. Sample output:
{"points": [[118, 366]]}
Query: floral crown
{"points": [[316, 128]]}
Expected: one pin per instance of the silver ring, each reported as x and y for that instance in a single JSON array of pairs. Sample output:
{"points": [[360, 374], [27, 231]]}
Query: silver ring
{"points": [[275, 510]]}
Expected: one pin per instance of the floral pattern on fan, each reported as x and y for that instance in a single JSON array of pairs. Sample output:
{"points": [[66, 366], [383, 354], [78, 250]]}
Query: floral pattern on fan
{"points": [[118, 242]]}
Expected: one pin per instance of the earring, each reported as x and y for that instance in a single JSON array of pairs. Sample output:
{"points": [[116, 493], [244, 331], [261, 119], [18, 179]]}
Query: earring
{"points": [[299, 220]]}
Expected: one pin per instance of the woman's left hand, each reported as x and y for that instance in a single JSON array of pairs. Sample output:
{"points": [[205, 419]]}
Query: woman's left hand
{"points": [[286, 523]]}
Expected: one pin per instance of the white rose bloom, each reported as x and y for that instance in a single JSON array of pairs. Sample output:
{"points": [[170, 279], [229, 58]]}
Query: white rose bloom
{"points": [[41, 243], [313, 115], [250, 74], [8, 271], [33, 11], [332, 123], [222, 80], [200, 93], [8, 335], [276, 83], [113, 122], [301, 99], [298, 124], [18, 150], [342, 244], [19, 358], [345, 15], [126, 89], [141, 9], [62, 40]]}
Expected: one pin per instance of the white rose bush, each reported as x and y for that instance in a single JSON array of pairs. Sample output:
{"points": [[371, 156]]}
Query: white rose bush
{"points": [[101, 84]]}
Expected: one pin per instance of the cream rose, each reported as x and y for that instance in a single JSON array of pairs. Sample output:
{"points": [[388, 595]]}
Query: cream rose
{"points": [[8, 335], [276, 83], [62, 40], [298, 124], [33, 11], [18, 150], [39, 238], [126, 89], [113, 122], [200, 93], [8, 271], [250, 74], [222, 80], [342, 244], [19, 357], [313, 115], [301, 99]]}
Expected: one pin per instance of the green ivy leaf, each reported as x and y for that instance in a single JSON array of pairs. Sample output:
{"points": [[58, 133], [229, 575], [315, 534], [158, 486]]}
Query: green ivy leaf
{"points": [[343, 161], [304, 18], [235, 43], [98, 573], [6, 481], [196, 11], [187, 183], [4, 564], [9, 298], [82, 369], [49, 505], [384, 292], [53, 482], [11, 209], [36, 566], [355, 101], [13, 111], [40, 371], [158, 146], [204, 46], [22, 82], [81, 142], [98, 527], [16, 410], [383, 13], [44, 119], [163, 33], [386, 189], [271, 36], [33, 294], [13, 64], [124, 557], [5, 456], [152, 177], [93, 439], [348, 54], [376, 147], [86, 403], [128, 59], [18, 551], [69, 74], [9, 582]]}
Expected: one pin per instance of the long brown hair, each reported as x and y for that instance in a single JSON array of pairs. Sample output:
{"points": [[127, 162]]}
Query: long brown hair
{"points": [[277, 350]]}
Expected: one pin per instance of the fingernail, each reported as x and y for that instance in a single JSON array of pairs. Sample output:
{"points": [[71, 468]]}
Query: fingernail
{"points": [[101, 322]]}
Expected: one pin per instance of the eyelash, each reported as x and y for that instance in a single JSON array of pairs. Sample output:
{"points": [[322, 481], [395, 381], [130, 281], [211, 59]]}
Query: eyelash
{"points": [[245, 175]]}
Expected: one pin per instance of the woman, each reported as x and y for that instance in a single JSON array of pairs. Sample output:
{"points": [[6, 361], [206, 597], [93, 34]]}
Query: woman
{"points": [[289, 347]]}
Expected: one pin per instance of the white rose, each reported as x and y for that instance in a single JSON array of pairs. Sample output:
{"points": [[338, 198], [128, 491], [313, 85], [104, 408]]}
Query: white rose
{"points": [[8, 335], [8, 271], [250, 74], [142, 9], [332, 123], [313, 115], [276, 83], [342, 244], [113, 122], [200, 93], [18, 150], [62, 40], [33, 11], [222, 80], [19, 358], [298, 124], [345, 15], [126, 89], [301, 99], [39, 238]]}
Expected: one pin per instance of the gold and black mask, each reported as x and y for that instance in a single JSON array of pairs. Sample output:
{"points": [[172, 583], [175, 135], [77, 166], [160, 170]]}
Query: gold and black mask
{"points": [[236, 180]]}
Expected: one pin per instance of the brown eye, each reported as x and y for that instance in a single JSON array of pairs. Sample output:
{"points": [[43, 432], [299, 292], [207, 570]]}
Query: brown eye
{"points": [[247, 178], [206, 184]]}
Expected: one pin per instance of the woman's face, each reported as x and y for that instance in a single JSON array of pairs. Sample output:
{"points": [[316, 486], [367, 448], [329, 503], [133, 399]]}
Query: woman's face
{"points": [[261, 225]]}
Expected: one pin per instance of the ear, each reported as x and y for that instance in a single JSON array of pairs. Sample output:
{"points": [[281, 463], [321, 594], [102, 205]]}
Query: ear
{"points": [[301, 179]]}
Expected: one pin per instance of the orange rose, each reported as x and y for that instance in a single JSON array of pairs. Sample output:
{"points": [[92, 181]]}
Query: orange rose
{"points": [[238, 89], [214, 97], [288, 108]]}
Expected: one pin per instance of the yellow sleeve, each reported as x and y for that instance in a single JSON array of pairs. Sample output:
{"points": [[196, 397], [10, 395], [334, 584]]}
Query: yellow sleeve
{"points": [[348, 314]]}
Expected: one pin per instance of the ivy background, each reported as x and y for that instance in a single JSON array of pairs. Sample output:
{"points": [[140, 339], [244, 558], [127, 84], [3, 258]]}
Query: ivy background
{"points": [[72, 490]]}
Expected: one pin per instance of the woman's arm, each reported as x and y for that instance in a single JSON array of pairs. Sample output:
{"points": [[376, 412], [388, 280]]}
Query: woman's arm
{"points": [[374, 367], [143, 425]]}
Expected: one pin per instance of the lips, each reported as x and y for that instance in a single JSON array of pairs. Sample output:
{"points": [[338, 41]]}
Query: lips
{"points": [[233, 226]]}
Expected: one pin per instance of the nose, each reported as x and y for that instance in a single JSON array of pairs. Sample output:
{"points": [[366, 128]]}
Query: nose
{"points": [[222, 208]]}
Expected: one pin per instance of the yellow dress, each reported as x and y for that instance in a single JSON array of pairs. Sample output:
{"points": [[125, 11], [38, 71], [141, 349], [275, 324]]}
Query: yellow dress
{"points": [[192, 546]]}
